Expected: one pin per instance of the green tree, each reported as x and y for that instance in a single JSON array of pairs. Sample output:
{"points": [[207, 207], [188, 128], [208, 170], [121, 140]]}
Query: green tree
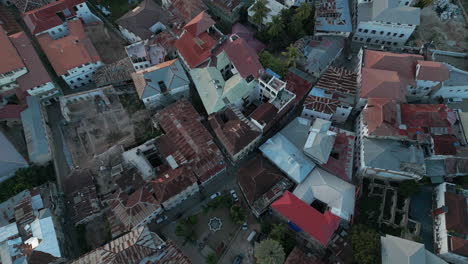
{"points": [[211, 259], [366, 245], [275, 64], [293, 54], [260, 12], [409, 188], [269, 251], [304, 11], [275, 27], [185, 228], [237, 214], [277, 232], [295, 28]]}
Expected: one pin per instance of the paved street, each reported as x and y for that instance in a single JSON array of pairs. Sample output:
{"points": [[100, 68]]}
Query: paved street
{"points": [[420, 210]]}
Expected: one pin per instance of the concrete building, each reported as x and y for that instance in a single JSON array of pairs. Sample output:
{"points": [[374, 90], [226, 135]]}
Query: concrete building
{"points": [[384, 22], [53, 18], [10, 159], [454, 86], [397, 250], [161, 85], [319, 53], [332, 17], [333, 97], [320, 141], [73, 57], [450, 218], [36, 132], [238, 135]]}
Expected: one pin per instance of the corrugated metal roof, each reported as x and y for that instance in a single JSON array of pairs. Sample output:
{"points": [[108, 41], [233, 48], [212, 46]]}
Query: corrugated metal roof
{"points": [[10, 159]]}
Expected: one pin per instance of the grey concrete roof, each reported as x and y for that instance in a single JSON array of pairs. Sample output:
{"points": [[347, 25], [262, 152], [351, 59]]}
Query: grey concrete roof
{"points": [[388, 11], [10, 159], [393, 155], [35, 128], [320, 141], [323, 186], [397, 250]]}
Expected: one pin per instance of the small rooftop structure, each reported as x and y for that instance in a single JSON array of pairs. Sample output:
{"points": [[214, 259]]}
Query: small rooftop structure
{"points": [[71, 51], [332, 17], [234, 131], [307, 219], [398, 250], [10, 159], [285, 150], [261, 182], [337, 194]]}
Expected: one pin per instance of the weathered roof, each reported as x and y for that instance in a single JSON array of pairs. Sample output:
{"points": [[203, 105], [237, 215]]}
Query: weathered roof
{"points": [[35, 128], [186, 10], [248, 34], [10, 159], [427, 116], [28, 5], [320, 141], [114, 73], [378, 83], [70, 51], [333, 16], [285, 150], [37, 74], [319, 52], [257, 177], [388, 11], [337, 194], [445, 144], [396, 250], [43, 229], [339, 80], [46, 17], [8, 21], [381, 117], [297, 256], [303, 216], [242, 56], [216, 93], [11, 60], [170, 73], [264, 113], [393, 155], [173, 182], [140, 19], [199, 24], [188, 141], [233, 130]]}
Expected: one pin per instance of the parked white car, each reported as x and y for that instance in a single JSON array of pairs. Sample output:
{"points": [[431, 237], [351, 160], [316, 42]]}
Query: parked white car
{"points": [[214, 195], [234, 196], [161, 219]]}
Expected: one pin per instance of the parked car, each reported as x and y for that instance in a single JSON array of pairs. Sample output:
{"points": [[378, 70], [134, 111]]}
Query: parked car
{"points": [[214, 195], [238, 259], [244, 226], [161, 219], [234, 196]]}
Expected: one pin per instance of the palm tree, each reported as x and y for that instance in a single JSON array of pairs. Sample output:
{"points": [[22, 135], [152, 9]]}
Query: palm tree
{"points": [[260, 12], [275, 27], [303, 11], [269, 251], [293, 54]]}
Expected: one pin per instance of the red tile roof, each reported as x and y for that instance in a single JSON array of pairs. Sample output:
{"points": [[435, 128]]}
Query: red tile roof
{"points": [[380, 116], [11, 111], [403, 64], [445, 144], [195, 49], [248, 34], [37, 74], [319, 226], [71, 51], [321, 104], [338, 80], [378, 83], [264, 113], [8, 21], [297, 85], [188, 141], [199, 24], [172, 182], [454, 166], [427, 116], [456, 219], [46, 17], [243, 57], [432, 71], [8, 54]]}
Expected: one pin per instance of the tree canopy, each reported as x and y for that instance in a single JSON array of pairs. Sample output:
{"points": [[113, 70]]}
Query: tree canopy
{"points": [[409, 188], [269, 251], [260, 10], [275, 27], [292, 53], [366, 245], [274, 63]]}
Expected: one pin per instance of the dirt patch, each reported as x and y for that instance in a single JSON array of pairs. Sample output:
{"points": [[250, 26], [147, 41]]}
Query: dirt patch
{"points": [[446, 35], [108, 44]]}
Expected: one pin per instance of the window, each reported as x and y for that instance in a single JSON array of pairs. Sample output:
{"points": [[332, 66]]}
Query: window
{"points": [[355, 38], [53, 32], [368, 40], [373, 32], [381, 32], [394, 34], [361, 39], [79, 79], [71, 81], [60, 29], [366, 30], [389, 43], [401, 35], [388, 33], [360, 30], [394, 43], [376, 41]]}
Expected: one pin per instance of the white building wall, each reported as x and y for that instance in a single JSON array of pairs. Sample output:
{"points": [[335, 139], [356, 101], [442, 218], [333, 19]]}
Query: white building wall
{"points": [[311, 114], [83, 12], [341, 114], [128, 35], [82, 75], [161, 100], [149, 218], [452, 92], [422, 88], [376, 33], [44, 88], [182, 196], [10, 77], [57, 32]]}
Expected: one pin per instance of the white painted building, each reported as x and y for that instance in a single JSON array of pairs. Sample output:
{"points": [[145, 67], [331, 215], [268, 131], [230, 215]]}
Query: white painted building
{"points": [[449, 238], [385, 22], [81, 75], [455, 87]]}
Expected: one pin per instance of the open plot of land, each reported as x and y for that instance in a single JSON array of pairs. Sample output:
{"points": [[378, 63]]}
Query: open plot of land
{"points": [[447, 35], [108, 44], [119, 7]]}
